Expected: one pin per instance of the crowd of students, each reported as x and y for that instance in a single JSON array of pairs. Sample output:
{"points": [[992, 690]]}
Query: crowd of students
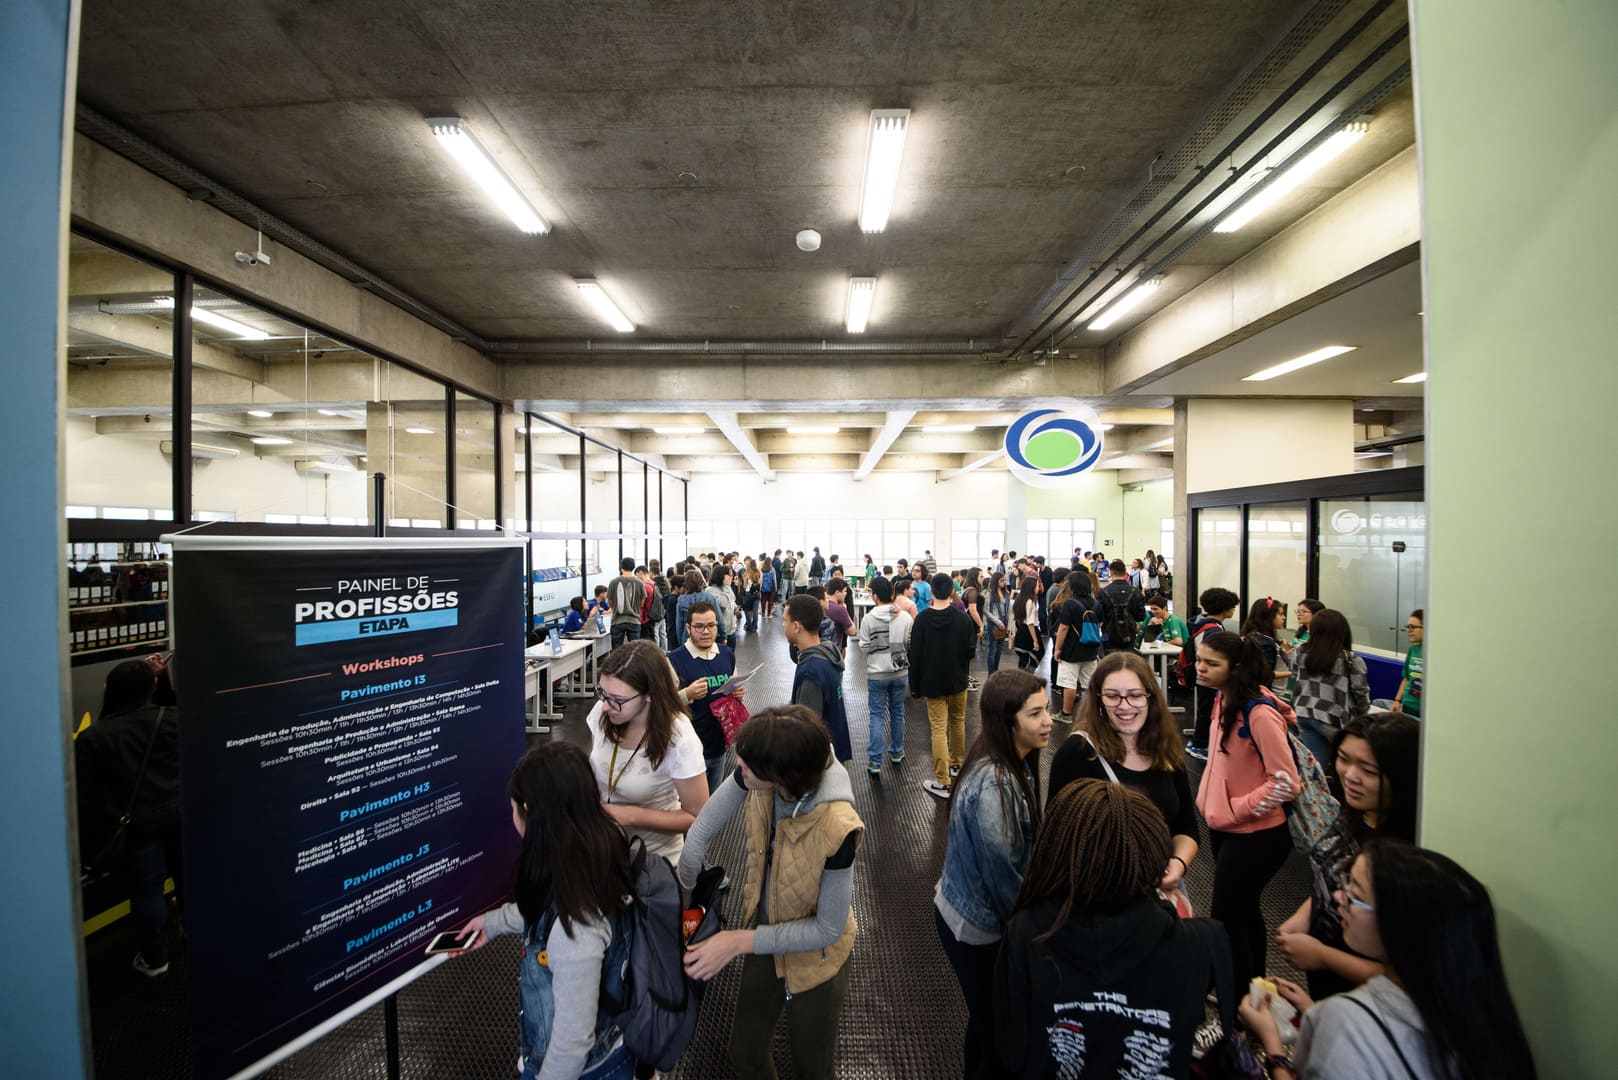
{"points": [[1063, 914]]}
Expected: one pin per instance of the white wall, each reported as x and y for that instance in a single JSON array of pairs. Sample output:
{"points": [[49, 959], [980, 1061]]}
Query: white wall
{"points": [[982, 494], [1240, 442]]}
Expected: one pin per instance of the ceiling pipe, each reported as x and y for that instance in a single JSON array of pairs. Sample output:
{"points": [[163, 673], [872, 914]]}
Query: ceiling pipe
{"points": [[610, 347]]}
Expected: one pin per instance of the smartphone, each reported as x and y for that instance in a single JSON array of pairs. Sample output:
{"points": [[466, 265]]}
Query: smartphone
{"points": [[452, 942]]}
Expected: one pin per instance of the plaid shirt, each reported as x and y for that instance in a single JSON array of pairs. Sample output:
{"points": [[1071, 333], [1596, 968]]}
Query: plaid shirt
{"points": [[1331, 700]]}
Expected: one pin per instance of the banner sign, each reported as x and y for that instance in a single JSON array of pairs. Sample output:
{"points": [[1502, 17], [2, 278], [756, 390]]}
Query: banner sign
{"points": [[1046, 446], [349, 715]]}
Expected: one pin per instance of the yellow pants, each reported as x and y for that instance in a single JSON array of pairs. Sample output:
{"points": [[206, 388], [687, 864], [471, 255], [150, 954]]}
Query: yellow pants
{"points": [[947, 718]]}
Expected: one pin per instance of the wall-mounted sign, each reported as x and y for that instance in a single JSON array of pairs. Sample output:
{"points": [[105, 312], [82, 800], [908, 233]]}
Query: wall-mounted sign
{"points": [[1047, 446]]}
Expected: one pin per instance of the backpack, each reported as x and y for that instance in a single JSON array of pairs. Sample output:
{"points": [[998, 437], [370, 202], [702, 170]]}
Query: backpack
{"points": [[1185, 664], [656, 1003], [1120, 625], [1090, 628], [1311, 814]]}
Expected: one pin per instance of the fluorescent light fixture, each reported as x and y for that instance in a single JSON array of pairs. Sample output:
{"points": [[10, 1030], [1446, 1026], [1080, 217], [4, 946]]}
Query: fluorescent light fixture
{"points": [[217, 321], [202, 450], [1099, 427], [1418, 377], [883, 152], [262, 414], [1363, 454], [689, 429], [270, 440], [861, 291], [592, 291], [459, 142], [338, 466], [813, 429], [418, 431], [1276, 186], [1124, 304], [948, 429], [322, 412], [1300, 362]]}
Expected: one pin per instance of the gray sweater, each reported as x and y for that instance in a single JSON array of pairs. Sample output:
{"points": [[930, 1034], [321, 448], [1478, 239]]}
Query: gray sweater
{"points": [[836, 886], [1339, 1041], [575, 963]]}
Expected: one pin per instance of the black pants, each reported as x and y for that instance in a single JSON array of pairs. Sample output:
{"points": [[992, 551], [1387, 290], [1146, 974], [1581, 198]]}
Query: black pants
{"points": [[1204, 725], [974, 970], [1244, 863]]}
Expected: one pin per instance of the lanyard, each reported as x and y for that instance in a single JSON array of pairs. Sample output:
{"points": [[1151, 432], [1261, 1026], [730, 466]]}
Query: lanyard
{"points": [[613, 779]]}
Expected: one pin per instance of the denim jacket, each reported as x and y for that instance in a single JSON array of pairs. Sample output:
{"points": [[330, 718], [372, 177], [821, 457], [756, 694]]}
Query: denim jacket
{"points": [[988, 850], [538, 996]]}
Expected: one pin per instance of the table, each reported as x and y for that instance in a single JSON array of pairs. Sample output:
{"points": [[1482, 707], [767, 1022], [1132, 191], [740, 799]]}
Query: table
{"points": [[863, 601], [542, 675], [1158, 652], [600, 644]]}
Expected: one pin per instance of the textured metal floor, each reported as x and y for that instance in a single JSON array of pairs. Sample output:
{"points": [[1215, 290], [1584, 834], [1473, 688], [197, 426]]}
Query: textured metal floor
{"points": [[903, 1014]]}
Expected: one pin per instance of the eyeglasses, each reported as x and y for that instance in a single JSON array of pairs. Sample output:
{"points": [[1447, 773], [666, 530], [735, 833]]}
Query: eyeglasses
{"points": [[615, 702], [1409, 626], [1353, 901], [703, 626], [1134, 697]]}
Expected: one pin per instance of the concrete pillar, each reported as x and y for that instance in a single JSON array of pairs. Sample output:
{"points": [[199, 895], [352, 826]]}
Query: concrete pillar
{"points": [[1518, 740], [45, 1021]]}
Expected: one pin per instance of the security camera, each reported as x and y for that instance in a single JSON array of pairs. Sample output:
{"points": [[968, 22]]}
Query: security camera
{"points": [[252, 258]]}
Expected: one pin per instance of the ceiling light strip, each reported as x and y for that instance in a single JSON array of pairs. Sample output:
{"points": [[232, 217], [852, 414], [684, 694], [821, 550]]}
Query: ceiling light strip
{"points": [[604, 306], [218, 322], [861, 293], [1280, 181], [1125, 304], [457, 139], [884, 149], [1418, 377], [1299, 362]]}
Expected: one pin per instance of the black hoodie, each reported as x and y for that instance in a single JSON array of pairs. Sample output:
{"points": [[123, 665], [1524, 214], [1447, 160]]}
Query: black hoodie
{"points": [[942, 641], [1107, 996]]}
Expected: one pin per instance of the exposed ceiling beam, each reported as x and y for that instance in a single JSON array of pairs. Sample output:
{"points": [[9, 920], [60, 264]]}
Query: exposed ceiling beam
{"points": [[1143, 476], [728, 425], [891, 430], [157, 338], [973, 466]]}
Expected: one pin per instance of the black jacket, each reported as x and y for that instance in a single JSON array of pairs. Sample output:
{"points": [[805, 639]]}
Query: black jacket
{"points": [[107, 757], [1105, 992], [942, 643], [1115, 596]]}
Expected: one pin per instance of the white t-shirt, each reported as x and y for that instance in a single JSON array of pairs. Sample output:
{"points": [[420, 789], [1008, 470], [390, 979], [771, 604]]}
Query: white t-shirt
{"points": [[635, 783]]}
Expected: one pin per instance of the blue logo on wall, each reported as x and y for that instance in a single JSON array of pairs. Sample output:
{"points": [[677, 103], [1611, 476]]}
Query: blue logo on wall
{"points": [[1046, 445]]}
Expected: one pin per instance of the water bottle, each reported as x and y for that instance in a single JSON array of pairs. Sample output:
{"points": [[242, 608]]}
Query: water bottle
{"points": [[556, 640], [601, 622]]}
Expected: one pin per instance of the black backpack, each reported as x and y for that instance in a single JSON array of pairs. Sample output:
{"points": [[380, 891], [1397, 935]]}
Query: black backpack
{"points": [[1119, 626]]}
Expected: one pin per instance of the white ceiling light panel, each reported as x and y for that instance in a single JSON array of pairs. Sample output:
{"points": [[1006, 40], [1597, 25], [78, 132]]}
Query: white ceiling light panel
{"points": [[1277, 186], [1297, 363], [861, 291], [884, 149], [218, 322], [603, 305], [458, 142], [1418, 377], [1124, 304]]}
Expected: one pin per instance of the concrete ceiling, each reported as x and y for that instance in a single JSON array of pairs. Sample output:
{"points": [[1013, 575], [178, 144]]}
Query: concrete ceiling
{"points": [[678, 149]]}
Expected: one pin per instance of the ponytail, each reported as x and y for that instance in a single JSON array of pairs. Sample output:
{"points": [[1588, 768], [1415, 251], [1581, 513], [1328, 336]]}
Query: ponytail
{"points": [[1249, 675]]}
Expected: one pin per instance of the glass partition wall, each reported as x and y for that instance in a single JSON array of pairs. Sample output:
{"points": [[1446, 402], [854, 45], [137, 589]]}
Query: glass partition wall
{"points": [[1357, 543]]}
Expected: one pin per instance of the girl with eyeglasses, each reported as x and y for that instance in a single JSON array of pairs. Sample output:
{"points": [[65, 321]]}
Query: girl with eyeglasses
{"points": [[1377, 763], [1250, 775], [1441, 1009], [1125, 734], [647, 757], [1265, 621]]}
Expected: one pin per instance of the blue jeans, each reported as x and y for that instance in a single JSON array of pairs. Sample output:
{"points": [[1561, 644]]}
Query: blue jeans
{"points": [[716, 772], [992, 658], [886, 698], [144, 873], [623, 632], [1317, 740]]}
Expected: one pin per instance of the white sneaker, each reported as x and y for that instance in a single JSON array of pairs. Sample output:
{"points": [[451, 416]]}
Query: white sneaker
{"points": [[142, 967], [933, 787]]}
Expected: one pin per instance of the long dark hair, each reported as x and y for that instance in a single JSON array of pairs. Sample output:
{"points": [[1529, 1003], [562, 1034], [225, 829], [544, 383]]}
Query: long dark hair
{"points": [[1159, 738], [643, 666], [1101, 846], [129, 687], [1438, 934], [1249, 675], [1025, 595], [1330, 640], [786, 746], [1261, 618], [1395, 742], [997, 585], [1004, 694], [574, 857]]}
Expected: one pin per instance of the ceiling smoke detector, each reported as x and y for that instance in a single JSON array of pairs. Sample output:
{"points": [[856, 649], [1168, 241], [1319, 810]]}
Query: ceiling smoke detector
{"points": [[808, 240]]}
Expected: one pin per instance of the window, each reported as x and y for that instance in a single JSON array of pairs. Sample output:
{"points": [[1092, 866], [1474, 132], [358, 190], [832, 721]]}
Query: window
{"points": [[1055, 538], [1165, 541], [475, 429], [1276, 554], [1360, 573], [1219, 551], [844, 542], [971, 540]]}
